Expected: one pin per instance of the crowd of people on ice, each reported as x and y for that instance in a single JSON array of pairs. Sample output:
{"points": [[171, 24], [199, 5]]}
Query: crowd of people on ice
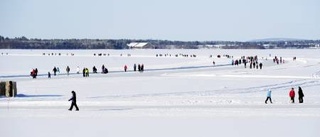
{"points": [[253, 61]]}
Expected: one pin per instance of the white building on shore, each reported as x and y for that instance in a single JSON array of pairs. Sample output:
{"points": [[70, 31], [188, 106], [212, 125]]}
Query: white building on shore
{"points": [[137, 45]]}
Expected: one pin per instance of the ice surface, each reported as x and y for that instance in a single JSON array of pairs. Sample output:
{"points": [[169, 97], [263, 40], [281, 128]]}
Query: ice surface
{"points": [[174, 96]]}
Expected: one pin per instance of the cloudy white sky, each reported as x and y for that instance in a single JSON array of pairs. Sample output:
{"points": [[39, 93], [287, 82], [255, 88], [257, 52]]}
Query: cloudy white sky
{"points": [[188, 20]]}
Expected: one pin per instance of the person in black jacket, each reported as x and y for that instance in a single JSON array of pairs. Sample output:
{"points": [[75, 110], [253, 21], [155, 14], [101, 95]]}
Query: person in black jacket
{"points": [[54, 71], [301, 95], [74, 101]]}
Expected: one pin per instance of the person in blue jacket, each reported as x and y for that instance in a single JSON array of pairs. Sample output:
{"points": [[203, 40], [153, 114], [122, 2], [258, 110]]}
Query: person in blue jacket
{"points": [[74, 101], [268, 96]]}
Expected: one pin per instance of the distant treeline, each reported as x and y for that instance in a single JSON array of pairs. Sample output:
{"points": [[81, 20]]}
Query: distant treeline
{"points": [[25, 43]]}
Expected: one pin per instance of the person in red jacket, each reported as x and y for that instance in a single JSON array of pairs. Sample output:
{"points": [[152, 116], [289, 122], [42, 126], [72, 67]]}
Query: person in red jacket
{"points": [[292, 94]]}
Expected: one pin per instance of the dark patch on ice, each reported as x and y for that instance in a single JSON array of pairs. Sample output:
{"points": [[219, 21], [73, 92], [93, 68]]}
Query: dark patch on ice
{"points": [[36, 96]]}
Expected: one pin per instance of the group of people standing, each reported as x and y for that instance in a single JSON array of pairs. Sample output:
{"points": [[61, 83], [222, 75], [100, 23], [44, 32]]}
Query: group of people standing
{"points": [[300, 95], [252, 60], [135, 67], [140, 67], [104, 70], [278, 60], [292, 95], [85, 71], [55, 70]]}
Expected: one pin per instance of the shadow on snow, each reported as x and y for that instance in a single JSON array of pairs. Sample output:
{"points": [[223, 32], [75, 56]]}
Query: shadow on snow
{"points": [[35, 96]]}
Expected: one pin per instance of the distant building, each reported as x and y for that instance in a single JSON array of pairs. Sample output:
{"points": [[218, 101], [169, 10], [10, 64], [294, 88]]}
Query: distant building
{"points": [[219, 46], [137, 45], [316, 46], [269, 46]]}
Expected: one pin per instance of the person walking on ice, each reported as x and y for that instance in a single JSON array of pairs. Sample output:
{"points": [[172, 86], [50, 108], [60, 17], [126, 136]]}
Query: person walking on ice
{"points": [[74, 101], [292, 95], [68, 70], [301, 95], [125, 68], [268, 96]]}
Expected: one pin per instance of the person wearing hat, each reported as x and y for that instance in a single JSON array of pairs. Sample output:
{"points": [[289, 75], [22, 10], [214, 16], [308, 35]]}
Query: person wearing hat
{"points": [[73, 100]]}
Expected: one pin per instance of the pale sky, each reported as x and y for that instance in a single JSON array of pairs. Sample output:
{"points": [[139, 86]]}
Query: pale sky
{"points": [[187, 20]]}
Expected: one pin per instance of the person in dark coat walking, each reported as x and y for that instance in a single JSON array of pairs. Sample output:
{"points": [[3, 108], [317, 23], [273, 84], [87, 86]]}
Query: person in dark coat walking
{"points": [[54, 71], [73, 100], [300, 94]]}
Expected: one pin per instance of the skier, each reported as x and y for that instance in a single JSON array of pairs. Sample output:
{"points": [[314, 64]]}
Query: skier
{"points": [[301, 95], [49, 75], [292, 94], [74, 101], [268, 96]]}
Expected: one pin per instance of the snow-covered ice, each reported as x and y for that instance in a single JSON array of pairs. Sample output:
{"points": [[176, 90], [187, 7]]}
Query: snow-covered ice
{"points": [[173, 97]]}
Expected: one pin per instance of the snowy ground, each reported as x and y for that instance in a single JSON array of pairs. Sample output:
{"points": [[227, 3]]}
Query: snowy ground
{"points": [[173, 97]]}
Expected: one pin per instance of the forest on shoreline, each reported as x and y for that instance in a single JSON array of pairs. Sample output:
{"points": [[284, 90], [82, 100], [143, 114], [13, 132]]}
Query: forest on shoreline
{"points": [[25, 43]]}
